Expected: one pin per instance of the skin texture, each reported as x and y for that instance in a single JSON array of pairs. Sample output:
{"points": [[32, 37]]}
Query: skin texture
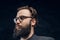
{"points": [[24, 28]]}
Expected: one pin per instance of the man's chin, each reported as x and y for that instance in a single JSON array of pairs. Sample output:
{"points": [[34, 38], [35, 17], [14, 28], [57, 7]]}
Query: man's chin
{"points": [[20, 33], [16, 35]]}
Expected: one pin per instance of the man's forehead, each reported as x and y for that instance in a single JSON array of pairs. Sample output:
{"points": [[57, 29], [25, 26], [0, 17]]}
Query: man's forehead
{"points": [[23, 12]]}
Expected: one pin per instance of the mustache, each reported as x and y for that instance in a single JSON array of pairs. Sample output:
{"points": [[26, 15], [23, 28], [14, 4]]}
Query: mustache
{"points": [[18, 26]]}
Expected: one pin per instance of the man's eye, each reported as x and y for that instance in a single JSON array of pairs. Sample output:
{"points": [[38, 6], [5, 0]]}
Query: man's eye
{"points": [[22, 17]]}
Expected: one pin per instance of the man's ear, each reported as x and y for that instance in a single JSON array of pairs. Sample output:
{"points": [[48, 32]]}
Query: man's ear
{"points": [[33, 22]]}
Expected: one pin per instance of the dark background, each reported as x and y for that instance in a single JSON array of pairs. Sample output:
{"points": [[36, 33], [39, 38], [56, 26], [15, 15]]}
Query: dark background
{"points": [[48, 11]]}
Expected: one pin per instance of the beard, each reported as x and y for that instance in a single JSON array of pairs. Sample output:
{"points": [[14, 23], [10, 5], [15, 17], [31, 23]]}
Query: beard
{"points": [[23, 32]]}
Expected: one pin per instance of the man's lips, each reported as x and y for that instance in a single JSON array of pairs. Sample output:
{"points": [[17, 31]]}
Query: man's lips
{"points": [[18, 27]]}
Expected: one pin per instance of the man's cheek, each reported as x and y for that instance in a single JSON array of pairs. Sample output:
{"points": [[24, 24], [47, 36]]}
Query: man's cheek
{"points": [[24, 23]]}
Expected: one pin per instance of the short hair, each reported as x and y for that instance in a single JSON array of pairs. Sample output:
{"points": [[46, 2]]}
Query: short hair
{"points": [[31, 9]]}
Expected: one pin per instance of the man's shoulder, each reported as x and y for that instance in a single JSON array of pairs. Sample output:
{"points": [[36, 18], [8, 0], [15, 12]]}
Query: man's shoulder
{"points": [[35, 37]]}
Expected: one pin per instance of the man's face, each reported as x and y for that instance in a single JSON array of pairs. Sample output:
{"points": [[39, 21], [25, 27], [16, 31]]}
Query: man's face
{"points": [[23, 27]]}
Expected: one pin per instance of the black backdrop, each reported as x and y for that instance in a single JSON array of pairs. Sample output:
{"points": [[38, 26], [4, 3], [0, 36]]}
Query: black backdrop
{"points": [[48, 17]]}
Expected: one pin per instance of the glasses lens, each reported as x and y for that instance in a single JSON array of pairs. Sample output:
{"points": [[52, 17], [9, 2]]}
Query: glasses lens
{"points": [[15, 20], [18, 18], [22, 17]]}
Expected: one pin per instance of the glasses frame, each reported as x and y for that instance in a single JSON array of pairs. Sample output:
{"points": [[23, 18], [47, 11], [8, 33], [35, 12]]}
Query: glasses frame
{"points": [[21, 18]]}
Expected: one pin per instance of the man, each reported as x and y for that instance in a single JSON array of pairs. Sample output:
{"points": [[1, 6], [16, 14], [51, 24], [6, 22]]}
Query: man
{"points": [[25, 21]]}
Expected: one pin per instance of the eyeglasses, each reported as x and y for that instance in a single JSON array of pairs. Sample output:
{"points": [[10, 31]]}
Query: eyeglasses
{"points": [[21, 18]]}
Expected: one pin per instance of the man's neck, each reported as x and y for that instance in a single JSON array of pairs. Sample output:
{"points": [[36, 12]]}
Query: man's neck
{"points": [[30, 35]]}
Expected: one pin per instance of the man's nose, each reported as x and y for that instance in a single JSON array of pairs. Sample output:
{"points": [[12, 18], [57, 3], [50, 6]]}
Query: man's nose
{"points": [[18, 21]]}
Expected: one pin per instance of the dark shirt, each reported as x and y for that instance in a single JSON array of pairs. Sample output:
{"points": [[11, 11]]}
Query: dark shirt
{"points": [[35, 37]]}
